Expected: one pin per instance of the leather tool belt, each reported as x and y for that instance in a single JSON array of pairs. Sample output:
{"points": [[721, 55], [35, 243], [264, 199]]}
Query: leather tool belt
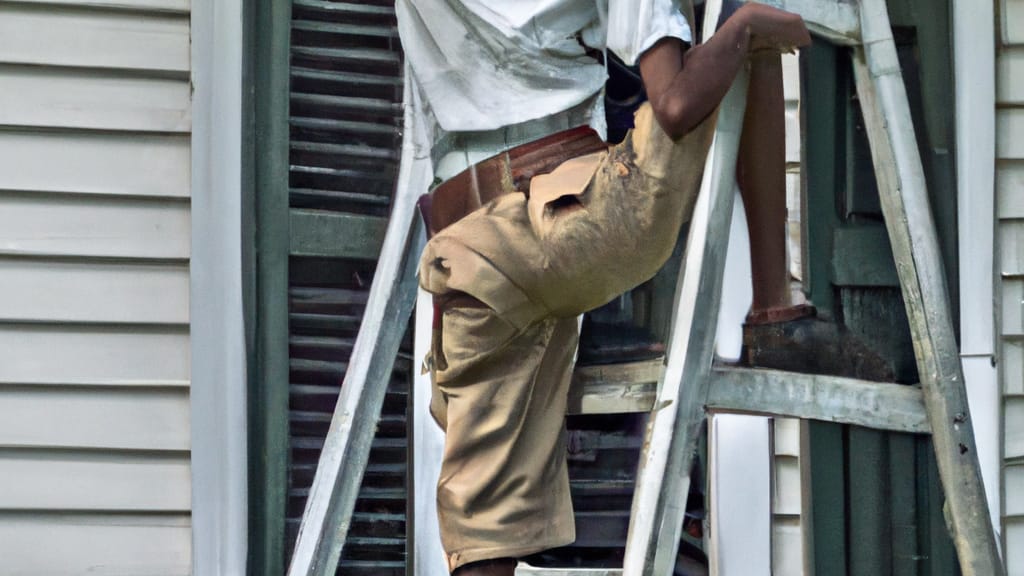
{"points": [[502, 174]]}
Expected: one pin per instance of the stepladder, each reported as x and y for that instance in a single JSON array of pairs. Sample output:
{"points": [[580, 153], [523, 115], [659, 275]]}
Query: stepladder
{"points": [[691, 385]]}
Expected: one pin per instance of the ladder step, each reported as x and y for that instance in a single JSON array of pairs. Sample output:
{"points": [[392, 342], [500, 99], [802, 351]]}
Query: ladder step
{"points": [[879, 405], [524, 569], [615, 388]]}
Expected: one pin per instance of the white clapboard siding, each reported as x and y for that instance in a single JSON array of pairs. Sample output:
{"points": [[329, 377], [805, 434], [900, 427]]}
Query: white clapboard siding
{"points": [[95, 355], [95, 544], [34, 223], [1014, 479], [1012, 21], [1011, 243], [1013, 307], [1010, 68], [175, 6], [1012, 364], [1010, 189], [93, 480], [86, 291], [109, 417], [1009, 144], [1014, 530], [95, 163], [38, 34], [1013, 423], [787, 547], [102, 100], [1010, 216], [95, 241]]}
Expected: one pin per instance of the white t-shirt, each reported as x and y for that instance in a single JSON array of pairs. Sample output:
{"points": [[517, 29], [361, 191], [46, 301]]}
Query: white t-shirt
{"points": [[483, 65]]}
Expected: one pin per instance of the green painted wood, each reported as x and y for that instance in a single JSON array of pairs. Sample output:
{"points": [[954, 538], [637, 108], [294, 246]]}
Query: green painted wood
{"points": [[266, 173], [824, 88], [869, 529], [903, 525], [824, 498], [335, 234], [866, 257]]}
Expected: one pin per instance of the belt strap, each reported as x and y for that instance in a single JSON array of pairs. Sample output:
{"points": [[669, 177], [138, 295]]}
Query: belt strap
{"points": [[502, 174]]}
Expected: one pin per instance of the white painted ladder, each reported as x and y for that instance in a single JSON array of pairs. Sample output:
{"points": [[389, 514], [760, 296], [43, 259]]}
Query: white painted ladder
{"points": [[689, 385]]}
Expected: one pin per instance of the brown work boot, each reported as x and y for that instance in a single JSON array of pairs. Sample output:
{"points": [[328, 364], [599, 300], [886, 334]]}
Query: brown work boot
{"points": [[796, 340]]}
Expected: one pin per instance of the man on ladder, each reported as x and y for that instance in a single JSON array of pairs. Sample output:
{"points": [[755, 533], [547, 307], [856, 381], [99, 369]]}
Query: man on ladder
{"points": [[551, 223]]}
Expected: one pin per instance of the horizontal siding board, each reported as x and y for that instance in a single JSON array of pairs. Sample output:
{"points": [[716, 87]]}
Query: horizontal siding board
{"points": [[786, 499], [1014, 549], [85, 417], [176, 6], [1013, 33], [37, 34], [114, 355], [1010, 76], [101, 100], [98, 545], [787, 437], [1013, 427], [93, 292], [1013, 307], [1012, 365], [1013, 480], [92, 480], [1009, 127], [1011, 247], [1010, 189], [127, 164], [787, 547], [84, 225]]}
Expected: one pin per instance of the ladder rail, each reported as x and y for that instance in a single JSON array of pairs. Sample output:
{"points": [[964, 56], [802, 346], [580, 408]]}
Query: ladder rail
{"points": [[346, 449], [659, 505], [908, 218]]}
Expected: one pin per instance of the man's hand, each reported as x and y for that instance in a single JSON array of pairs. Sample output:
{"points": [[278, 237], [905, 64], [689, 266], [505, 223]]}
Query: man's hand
{"points": [[773, 29]]}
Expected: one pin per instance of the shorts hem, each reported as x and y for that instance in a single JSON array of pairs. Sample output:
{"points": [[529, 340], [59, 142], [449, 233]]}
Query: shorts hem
{"points": [[463, 557]]}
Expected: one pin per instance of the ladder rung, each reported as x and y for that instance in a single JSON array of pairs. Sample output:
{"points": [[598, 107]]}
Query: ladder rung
{"points": [[615, 388], [524, 569], [830, 398]]}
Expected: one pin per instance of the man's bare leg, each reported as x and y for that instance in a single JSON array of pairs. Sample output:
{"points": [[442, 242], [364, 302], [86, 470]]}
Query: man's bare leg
{"points": [[762, 178]]}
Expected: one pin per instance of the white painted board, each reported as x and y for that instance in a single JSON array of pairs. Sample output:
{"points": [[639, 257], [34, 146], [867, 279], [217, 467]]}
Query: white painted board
{"points": [[786, 485], [180, 6], [121, 355], [1013, 479], [97, 545], [33, 479], [95, 163], [740, 497], [1014, 551], [1011, 364], [1013, 21], [93, 38], [33, 224], [94, 418], [787, 547], [1013, 427], [83, 291], [1009, 127], [1010, 189], [1011, 247], [101, 100], [1013, 307], [1010, 79]]}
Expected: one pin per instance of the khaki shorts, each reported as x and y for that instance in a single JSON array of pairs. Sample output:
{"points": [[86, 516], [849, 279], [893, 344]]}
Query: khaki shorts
{"points": [[595, 227]]}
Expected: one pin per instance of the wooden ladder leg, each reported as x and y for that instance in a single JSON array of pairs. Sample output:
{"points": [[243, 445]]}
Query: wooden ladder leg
{"points": [[346, 450], [659, 502], [908, 218]]}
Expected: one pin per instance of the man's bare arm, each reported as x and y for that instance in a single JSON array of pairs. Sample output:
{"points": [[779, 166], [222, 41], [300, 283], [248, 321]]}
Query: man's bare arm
{"points": [[684, 86]]}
